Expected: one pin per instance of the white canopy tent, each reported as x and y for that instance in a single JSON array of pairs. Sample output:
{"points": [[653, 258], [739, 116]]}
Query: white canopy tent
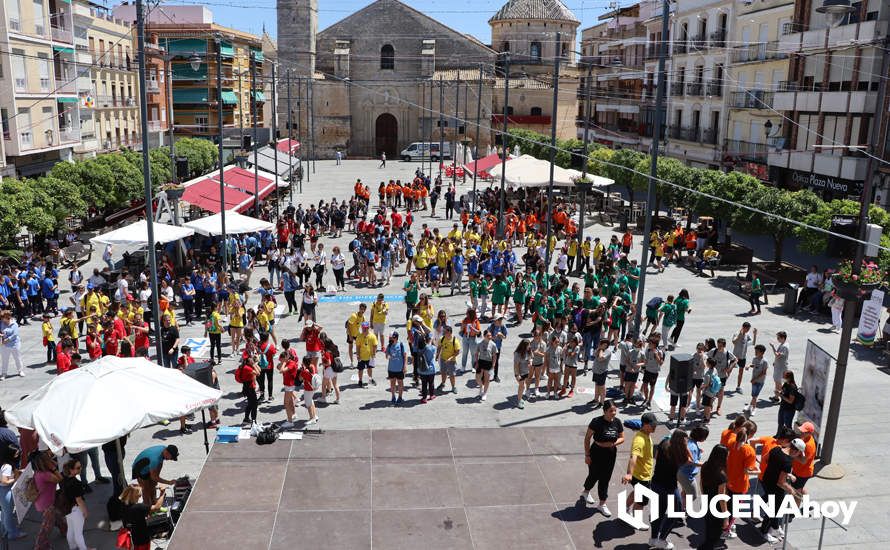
{"points": [[107, 399], [235, 224], [137, 233], [528, 171]]}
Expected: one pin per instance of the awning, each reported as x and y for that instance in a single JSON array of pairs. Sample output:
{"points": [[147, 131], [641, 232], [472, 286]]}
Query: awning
{"points": [[266, 162], [288, 146], [527, 171], [205, 194], [137, 233], [186, 46], [259, 96], [191, 95], [485, 163], [242, 179], [184, 71], [229, 98], [235, 224], [62, 49], [226, 49], [257, 54], [68, 99]]}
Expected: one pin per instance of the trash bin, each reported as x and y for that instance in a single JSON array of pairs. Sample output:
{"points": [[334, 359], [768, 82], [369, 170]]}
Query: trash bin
{"points": [[790, 303], [622, 218]]}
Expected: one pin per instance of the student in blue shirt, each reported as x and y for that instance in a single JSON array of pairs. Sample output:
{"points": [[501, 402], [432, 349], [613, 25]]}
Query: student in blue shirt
{"points": [[187, 297], [427, 372], [498, 334], [245, 265], [434, 274], [48, 290], [34, 299], [457, 273]]}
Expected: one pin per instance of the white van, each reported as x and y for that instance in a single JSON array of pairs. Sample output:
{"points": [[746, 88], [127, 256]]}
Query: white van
{"points": [[420, 150]]}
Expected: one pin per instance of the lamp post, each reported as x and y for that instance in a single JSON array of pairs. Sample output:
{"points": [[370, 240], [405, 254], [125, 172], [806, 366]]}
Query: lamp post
{"points": [[146, 181], [256, 173], [556, 61], [502, 202], [222, 187], [585, 187]]}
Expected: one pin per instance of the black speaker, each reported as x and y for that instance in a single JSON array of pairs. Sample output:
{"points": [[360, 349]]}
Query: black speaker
{"points": [[245, 143], [577, 162], [839, 247], [182, 169], [680, 376], [201, 371]]}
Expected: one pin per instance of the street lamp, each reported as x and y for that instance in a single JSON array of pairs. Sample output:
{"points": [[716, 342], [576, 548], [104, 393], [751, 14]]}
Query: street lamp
{"points": [[835, 10], [195, 62], [768, 127]]}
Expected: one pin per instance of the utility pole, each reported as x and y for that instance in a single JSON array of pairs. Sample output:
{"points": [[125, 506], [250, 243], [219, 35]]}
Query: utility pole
{"points": [[441, 126], [222, 162], [503, 197], [556, 60], [169, 89], [146, 181], [584, 160], [310, 92], [300, 105], [660, 92], [829, 470], [466, 121], [456, 134], [256, 170], [290, 156], [275, 142], [429, 143], [478, 131], [240, 111]]}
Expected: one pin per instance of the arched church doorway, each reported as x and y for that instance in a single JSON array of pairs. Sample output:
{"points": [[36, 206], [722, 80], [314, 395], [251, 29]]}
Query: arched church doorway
{"points": [[387, 135]]}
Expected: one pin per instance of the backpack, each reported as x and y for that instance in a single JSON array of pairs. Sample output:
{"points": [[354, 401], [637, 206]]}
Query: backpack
{"points": [[654, 303], [239, 375], [316, 381], [714, 384], [337, 365], [267, 436], [799, 400]]}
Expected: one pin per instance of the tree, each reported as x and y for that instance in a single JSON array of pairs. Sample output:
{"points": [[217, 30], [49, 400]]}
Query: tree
{"points": [[794, 205], [22, 206], [127, 179], [622, 169], [201, 154], [161, 167], [63, 199]]}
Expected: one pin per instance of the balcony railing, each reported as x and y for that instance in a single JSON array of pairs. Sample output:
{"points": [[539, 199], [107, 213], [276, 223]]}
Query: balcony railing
{"points": [[66, 86], [21, 84], [695, 89], [791, 28], [62, 35], [44, 84], [757, 52], [686, 134], [747, 151], [15, 25], [715, 88], [652, 52], [152, 86], [26, 139], [155, 126], [718, 38], [679, 48], [752, 99], [709, 136], [67, 135], [677, 88], [699, 42]]}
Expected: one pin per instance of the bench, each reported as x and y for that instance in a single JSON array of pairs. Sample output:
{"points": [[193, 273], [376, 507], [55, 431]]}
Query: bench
{"points": [[608, 217], [769, 284], [77, 253]]}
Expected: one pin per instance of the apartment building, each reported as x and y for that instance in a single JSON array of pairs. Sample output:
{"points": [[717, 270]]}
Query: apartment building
{"points": [[38, 98], [757, 66], [830, 99], [107, 81], [157, 89], [615, 50]]}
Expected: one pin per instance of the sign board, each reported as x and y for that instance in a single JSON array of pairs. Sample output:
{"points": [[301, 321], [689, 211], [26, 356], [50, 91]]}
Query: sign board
{"points": [[346, 298], [870, 318], [814, 384], [822, 182], [199, 346]]}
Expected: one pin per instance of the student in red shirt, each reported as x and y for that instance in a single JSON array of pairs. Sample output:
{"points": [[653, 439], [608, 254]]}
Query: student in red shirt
{"points": [[267, 348], [141, 342], [304, 374], [94, 344], [185, 359], [314, 346], [287, 366], [111, 342], [63, 359]]}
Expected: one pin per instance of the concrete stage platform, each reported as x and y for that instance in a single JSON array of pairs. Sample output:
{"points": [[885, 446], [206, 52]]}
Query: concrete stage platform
{"points": [[487, 488]]}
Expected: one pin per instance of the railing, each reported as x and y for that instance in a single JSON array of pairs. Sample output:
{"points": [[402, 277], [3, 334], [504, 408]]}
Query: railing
{"points": [[6, 133], [154, 126], [757, 52], [747, 151], [752, 99], [15, 25], [715, 88], [718, 38], [792, 86], [44, 84], [709, 137], [39, 29], [62, 35], [152, 86], [26, 139], [652, 52], [21, 84], [69, 134], [699, 42], [695, 88], [677, 88], [66, 86], [686, 134], [791, 28], [680, 48]]}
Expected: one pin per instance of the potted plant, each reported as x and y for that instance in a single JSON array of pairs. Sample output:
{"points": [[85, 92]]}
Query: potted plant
{"points": [[174, 191], [852, 287]]}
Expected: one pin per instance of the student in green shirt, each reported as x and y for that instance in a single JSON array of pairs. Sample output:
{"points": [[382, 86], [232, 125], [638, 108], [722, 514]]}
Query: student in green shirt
{"points": [[590, 279], [483, 289], [667, 315], [519, 294], [617, 319], [412, 294], [589, 301], [500, 290], [682, 303], [756, 293], [633, 277]]}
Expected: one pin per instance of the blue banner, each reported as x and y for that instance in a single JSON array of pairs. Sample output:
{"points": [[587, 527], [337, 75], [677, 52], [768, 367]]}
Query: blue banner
{"points": [[361, 298]]}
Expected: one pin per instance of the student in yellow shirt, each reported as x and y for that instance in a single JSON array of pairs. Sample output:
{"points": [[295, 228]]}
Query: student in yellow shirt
{"points": [[49, 339], [585, 253], [573, 253], [366, 347], [446, 354], [353, 327], [379, 311]]}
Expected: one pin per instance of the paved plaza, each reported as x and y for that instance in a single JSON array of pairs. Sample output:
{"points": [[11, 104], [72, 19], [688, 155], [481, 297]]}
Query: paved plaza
{"points": [[544, 469]]}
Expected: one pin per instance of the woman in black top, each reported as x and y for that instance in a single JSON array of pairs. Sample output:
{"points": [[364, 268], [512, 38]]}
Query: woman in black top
{"points": [[787, 398], [604, 434], [670, 454], [713, 482], [136, 516]]}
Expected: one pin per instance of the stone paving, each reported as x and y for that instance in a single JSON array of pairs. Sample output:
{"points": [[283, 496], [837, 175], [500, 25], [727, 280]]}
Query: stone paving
{"points": [[716, 312]]}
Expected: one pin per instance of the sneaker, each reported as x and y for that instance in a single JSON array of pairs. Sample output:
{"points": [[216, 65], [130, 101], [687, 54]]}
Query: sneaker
{"points": [[771, 539], [164, 422], [286, 425], [496, 379], [588, 498], [261, 397], [562, 392], [185, 431], [454, 390], [440, 387], [753, 412], [393, 400], [483, 397], [521, 404], [103, 480], [21, 375], [571, 393], [373, 382], [738, 389], [423, 401], [399, 401], [605, 511], [312, 421]]}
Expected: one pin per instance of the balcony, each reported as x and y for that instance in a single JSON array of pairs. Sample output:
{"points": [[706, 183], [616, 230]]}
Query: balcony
{"points": [[680, 48], [762, 51], [66, 85], [152, 86], [811, 98], [844, 167], [677, 88], [715, 88], [747, 151], [69, 134], [752, 99], [718, 38], [21, 84], [26, 140], [709, 137], [864, 32], [15, 25], [685, 134], [695, 89], [698, 42], [651, 52], [156, 126], [61, 34]]}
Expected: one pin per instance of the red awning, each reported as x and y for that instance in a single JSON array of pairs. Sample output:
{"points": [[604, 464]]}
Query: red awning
{"points": [[205, 194], [485, 163], [242, 179], [288, 146]]}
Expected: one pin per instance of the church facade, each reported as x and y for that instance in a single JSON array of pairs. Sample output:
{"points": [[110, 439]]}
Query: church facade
{"points": [[388, 75]]}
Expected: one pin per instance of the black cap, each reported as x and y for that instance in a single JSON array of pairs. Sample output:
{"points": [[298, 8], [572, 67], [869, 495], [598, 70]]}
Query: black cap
{"points": [[649, 418], [174, 451]]}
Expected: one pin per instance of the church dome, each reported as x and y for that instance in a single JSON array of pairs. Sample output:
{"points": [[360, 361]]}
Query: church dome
{"points": [[534, 9]]}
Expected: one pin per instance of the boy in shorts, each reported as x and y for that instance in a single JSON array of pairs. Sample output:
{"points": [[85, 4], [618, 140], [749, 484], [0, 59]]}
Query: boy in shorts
{"points": [[711, 388], [287, 366], [758, 367], [446, 354], [651, 360]]}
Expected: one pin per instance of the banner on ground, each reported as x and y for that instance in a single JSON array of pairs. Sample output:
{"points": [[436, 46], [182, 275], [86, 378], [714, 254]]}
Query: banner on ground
{"points": [[870, 318], [814, 384]]}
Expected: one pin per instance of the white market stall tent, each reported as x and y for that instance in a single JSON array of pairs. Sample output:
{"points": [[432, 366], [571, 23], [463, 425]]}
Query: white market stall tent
{"points": [[137, 234], [528, 171], [235, 224]]}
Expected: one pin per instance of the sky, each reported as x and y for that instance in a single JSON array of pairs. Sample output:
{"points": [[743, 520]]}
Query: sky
{"points": [[467, 16]]}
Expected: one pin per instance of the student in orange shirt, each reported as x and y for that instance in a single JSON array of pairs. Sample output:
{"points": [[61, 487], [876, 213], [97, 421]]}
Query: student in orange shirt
{"points": [[727, 435], [464, 219], [768, 443], [740, 465], [802, 467]]}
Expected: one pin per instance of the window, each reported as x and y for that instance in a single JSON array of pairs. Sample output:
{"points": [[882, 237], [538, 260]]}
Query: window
{"points": [[535, 51], [509, 111], [15, 18], [202, 122], [4, 120], [387, 57], [24, 123], [43, 72], [18, 70], [39, 27], [536, 111], [505, 47]]}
